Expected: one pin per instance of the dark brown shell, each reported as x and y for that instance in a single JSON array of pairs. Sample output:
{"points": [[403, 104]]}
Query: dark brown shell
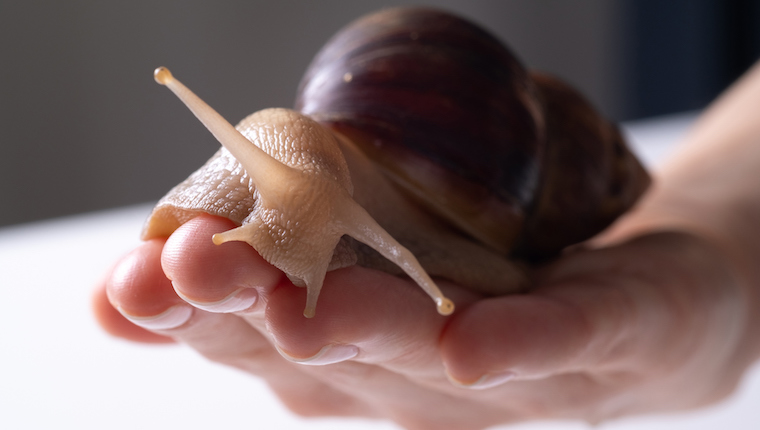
{"points": [[454, 118], [589, 176], [440, 104]]}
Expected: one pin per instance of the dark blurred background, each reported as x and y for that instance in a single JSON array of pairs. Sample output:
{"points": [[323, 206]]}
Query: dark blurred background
{"points": [[84, 127]]}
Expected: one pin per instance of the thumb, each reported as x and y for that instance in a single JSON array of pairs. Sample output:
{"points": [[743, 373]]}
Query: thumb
{"points": [[648, 301], [522, 337]]}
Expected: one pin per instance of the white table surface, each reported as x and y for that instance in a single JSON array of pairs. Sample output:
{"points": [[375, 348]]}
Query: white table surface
{"points": [[59, 371]]}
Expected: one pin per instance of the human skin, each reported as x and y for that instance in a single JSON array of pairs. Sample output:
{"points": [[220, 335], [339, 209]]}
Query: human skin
{"points": [[660, 313]]}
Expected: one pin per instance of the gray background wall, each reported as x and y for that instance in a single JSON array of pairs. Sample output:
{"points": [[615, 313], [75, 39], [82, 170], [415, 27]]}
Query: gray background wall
{"points": [[84, 127]]}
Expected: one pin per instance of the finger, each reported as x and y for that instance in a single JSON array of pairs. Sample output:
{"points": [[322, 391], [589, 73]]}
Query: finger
{"points": [[115, 324], [139, 290], [363, 315], [231, 277]]}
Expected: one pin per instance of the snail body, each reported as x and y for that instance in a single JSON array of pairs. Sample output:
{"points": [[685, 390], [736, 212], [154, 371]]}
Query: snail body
{"points": [[416, 125]]}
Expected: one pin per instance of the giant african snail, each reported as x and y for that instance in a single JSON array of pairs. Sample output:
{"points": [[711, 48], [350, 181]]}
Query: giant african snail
{"points": [[416, 125]]}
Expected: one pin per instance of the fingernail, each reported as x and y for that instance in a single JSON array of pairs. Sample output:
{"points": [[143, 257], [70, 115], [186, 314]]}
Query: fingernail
{"points": [[327, 355], [173, 317], [240, 300], [489, 380]]}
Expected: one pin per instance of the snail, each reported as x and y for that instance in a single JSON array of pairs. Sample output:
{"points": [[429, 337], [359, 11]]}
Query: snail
{"points": [[415, 133]]}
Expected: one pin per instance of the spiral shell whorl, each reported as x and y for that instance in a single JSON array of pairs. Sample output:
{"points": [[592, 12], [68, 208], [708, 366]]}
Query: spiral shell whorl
{"points": [[442, 106]]}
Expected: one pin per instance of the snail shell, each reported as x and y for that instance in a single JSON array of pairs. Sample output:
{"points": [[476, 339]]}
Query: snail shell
{"points": [[468, 160], [443, 107], [453, 117]]}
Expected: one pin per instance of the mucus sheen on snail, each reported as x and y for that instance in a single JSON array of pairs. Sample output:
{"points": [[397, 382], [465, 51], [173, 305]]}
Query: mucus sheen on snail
{"points": [[415, 133]]}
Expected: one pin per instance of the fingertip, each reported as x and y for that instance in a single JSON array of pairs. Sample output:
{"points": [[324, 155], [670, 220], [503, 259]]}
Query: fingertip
{"points": [[205, 273], [115, 324], [137, 284], [190, 246], [298, 334]]}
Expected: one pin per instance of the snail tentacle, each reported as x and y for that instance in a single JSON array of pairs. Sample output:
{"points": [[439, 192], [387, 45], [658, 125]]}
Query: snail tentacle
{"points": [[361, 226], [314, 282], [267, 172], [239, 234]]}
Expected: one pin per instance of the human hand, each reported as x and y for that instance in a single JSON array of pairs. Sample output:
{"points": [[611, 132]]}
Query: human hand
{"points": [[657, 323], [662, 315]]}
